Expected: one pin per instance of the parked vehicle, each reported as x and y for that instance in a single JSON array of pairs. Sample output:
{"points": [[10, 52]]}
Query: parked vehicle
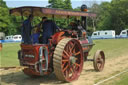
{"points": [[2, 36], [107, 34], [124, 34], [17, 38], [13, 38], [9, 37]]}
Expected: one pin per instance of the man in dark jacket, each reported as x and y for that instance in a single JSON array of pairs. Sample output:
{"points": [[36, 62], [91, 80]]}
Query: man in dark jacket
{"points": [[49, 28], [26, 30]]}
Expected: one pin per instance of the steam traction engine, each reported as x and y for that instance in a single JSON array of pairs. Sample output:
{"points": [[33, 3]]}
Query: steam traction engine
{"points": [[65, 53]]}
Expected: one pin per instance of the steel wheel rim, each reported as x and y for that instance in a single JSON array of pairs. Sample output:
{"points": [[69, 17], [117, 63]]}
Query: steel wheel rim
{"points": [[72, 60], [100, 60]]}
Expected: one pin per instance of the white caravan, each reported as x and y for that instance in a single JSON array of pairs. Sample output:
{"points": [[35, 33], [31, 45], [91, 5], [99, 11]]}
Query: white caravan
{"points": [[124, 33], [2, 36], [107, 34], [17, 38], [9, 37], [13, 38]]}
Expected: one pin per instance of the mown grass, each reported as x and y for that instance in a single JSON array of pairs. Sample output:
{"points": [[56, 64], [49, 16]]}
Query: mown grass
{"points": [[112, 47], [123, 80], [9, 54], [120, 80]]}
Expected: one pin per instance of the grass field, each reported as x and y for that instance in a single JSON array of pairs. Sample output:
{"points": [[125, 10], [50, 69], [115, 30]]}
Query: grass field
{"points": [[113, 48], [9, 54], [120, 80]]}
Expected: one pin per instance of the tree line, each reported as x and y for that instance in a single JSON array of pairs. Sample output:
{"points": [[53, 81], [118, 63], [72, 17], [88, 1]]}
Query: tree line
{"points": [[110, 16]]}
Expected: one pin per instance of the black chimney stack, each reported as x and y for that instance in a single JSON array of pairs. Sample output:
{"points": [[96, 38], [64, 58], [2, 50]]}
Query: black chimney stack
{"points": [[84, 19]]}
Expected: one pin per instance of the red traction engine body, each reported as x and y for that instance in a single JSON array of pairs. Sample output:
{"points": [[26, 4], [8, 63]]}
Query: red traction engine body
{"points": [[66, 51], [41, 59]]}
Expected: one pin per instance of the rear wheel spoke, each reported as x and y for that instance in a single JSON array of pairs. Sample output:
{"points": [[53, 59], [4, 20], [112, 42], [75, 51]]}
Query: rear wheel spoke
{"points": [[77, 53], [65, 57], [71, 70], [63, 64], [70, 49], [65, 68], [73, 46], [66, 53], [67, 73], [78, 65], [74, 51], [66, 60]]}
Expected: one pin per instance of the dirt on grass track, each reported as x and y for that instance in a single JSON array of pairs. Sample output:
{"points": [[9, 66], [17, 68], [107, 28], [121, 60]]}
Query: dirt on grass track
{"points": [[88, 76]]}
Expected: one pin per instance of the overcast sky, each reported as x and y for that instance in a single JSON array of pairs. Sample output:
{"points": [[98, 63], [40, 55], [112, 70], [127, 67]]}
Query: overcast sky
{"points": [[43, 3]]}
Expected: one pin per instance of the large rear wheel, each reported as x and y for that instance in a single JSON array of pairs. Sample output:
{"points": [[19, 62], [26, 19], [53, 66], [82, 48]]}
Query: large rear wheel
{"points": [[68, 60]]}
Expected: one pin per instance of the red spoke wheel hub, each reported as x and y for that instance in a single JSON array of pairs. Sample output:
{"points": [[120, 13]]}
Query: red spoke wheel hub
{"points": [[68, 60], [99, 60]]}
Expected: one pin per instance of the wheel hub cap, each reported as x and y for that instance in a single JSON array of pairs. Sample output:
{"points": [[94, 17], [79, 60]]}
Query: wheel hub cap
{"points": [[72, 59]]}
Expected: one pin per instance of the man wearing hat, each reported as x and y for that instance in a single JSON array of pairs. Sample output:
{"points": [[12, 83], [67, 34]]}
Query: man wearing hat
{"points": [[26, 30], [49, 28]]}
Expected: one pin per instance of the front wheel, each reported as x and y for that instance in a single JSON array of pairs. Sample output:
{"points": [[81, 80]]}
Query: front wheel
{"points": [[99, 60]]}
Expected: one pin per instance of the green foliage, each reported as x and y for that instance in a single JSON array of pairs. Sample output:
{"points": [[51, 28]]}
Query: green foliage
{"points": [[119, 15], [8, 23], [61, 4], [4, 19], [77, 9], [111, 16], [67, 4], [2, 4], [103, 16], [36, 20], [15, 25], [56, 4], [62, 23]]}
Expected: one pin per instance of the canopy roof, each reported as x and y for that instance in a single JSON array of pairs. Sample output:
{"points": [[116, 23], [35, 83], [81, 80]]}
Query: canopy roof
{"points": [[41, 11]]}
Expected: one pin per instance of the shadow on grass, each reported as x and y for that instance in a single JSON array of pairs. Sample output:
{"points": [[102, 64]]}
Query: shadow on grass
{"points": [[19, 78], [90, 70]]}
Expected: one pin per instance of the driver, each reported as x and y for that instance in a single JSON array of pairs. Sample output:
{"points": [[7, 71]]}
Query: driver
{"points": [[49, 28], [26, 30]]}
